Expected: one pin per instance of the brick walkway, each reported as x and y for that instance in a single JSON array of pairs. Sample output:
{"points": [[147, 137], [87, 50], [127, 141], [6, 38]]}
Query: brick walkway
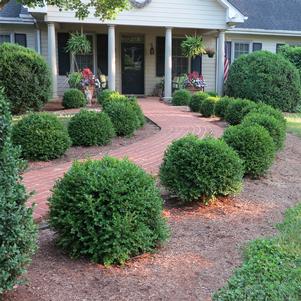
{"points": [[174, 122]]}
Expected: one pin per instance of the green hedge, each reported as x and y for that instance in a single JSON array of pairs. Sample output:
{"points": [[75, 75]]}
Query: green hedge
{"points": [[123, 117], [41, 136], [105, 95], [25, 76], [73, 98], [293, 54], [181, 98], [272, 267], [265, 77], [196, 101], [195, 169], [89, 128], [272, 125], [108, 211], [254, 145], [222, 105], [238, 109], [18, 232], [207, 107]]}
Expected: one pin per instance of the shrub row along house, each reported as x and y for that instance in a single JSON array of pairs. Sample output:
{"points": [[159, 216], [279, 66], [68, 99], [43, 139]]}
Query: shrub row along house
{"points": [[143, 45]]}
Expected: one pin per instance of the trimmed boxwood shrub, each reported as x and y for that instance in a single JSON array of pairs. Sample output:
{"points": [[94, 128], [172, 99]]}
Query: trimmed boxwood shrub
{"points": [[265, 77], [181, 98], [196, 101], [222, 105], [108, 211], [123, 117], [238, 109], [268, 110], [139, 114], [293, 54], [73, 98], [25, 76], [271, 124], [105, 95], [89, 128], [41, 136], [196, 168], [18, 232], [254, 145], [212, 93], [208, 106]]}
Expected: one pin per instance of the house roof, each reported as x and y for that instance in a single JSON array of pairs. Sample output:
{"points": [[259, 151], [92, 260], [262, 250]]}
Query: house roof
{"points": [[14, 10], [270, 14]]}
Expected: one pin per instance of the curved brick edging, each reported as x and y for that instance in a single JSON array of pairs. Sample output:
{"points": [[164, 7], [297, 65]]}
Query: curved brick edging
{"points": [[175, 122]]}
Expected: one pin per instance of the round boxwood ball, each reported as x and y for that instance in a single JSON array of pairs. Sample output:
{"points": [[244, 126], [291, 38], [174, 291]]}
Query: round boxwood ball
{"points": [[89, 128], [196, 101], [196, 168], [73, 98], [181, 98], [123, 117], [272, 125], [41, 136], [25, 76], [265, 77], [222, 105], [254, 145], [237, 110], [207, 107], [108, 210]]}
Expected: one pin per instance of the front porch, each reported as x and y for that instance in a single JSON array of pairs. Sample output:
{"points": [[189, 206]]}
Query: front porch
{"points": [[134, 58]]}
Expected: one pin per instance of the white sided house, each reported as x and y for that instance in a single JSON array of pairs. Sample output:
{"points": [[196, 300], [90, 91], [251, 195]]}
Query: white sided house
{"points": [[137, 49], [142, 45]]}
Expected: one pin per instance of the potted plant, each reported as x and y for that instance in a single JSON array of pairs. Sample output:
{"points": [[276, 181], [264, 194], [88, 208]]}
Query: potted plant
{"points": [[195, 82], [193, 46], [210, 52]]}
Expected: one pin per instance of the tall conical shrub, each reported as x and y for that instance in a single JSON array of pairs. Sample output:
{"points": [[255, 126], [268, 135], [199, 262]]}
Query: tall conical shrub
{"points": [[18, 232]]}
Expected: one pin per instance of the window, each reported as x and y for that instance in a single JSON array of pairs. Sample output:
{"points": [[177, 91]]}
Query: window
{"points": [[257, 46], [85, 60], [241, 49], [179, 61], [20, 38], [4, 38], [278, 47]]}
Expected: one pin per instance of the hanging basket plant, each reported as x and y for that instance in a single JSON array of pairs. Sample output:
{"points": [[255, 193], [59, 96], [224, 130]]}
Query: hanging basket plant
{"points": [[210, 52], [78, 44], [193, 46]]}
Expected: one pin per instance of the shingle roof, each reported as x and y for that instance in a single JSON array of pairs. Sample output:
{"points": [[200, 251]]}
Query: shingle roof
{"points": [[12, 10], [270, 14]]}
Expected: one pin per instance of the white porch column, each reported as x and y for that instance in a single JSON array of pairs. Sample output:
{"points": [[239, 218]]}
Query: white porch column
{"points": [[220, 62], [168, 64], [111, 58], [52, 60]]}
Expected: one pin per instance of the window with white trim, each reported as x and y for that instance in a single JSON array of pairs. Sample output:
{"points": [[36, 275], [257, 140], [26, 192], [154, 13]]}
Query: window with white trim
{"points": [[5, 38], [241, 48]]}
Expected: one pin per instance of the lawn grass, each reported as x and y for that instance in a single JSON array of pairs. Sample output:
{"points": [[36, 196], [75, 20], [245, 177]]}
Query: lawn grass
{"points": [[294, 124], [272, 267]]}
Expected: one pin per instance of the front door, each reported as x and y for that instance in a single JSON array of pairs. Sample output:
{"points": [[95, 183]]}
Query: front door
{"points": [[132, 57]]}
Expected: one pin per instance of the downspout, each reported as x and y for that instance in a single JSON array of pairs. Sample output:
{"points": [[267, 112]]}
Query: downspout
{"points": [[216, 64]]}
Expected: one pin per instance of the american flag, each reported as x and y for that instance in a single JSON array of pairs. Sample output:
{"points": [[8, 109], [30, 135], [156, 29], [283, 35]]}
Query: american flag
{"points": [[226, 68]]}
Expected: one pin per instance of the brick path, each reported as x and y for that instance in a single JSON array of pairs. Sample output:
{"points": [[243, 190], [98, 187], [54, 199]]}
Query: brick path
{"points": [[174, 122]]}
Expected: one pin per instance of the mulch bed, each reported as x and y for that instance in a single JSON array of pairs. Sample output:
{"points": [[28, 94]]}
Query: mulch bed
{"points": [[204, 249]]}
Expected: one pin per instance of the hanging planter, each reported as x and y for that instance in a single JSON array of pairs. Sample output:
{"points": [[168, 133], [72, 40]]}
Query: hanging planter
{"points": [[210, 52], [193, 46], [78, 44]]}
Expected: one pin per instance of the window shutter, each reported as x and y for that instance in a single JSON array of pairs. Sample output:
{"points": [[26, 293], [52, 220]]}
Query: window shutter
{"points": [[102, 53], [63, 56], [257, 46], [228, 51], [196, 64], [160, 56], [20, 38]]}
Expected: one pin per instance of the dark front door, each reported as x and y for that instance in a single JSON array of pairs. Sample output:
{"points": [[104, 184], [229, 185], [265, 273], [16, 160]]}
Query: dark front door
{"points": [[132, 56]]}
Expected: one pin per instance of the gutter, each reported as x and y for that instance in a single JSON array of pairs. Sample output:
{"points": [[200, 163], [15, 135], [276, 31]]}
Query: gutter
{"points": [[4, 20], [252, 31]]}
